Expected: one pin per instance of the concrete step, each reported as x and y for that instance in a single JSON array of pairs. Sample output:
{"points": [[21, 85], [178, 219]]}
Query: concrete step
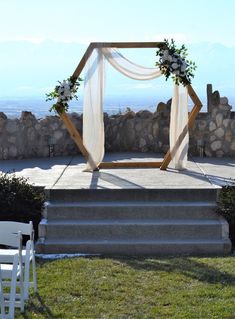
{"points": [[134, 229], [135, 194], [137, 248], [127, 210]]}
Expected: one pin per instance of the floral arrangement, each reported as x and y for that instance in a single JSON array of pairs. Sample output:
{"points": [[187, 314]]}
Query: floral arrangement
{"points": [[173, 61], [64, 92]]}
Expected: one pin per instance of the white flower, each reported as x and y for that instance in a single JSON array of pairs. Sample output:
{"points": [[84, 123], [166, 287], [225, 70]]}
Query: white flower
{"points": [[66, 86], [175, 65], [60, 90], [165, 52], [67, 92], [183, 66], [176, 72]]}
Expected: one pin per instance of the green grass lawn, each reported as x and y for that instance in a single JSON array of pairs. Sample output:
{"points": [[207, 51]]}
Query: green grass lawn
{"points": [[134, 288]]}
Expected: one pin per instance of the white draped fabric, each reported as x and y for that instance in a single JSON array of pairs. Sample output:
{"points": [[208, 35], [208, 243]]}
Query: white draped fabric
{"points": [[178, 124], [93, 124], [93, 127], [128, 68]]}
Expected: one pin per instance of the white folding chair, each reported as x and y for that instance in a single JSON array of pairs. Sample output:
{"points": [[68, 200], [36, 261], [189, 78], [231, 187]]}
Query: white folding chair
{"points": [[11, 274], [28, 253]]}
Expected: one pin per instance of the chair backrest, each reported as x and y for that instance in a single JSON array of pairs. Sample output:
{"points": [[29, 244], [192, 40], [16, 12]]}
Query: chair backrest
{"points": [[9, 231], [14, 227]]}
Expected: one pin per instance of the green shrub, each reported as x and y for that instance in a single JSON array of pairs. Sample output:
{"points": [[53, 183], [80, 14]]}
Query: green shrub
{"points": [[226, 202], [19, 200]]}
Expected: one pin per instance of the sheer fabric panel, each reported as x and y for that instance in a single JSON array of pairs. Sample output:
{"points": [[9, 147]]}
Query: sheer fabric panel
{"points": [[178, 124], [93, 124]]}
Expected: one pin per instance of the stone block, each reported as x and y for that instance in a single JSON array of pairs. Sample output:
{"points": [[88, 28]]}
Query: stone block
{"points": [[155, 129], [233, 125], [219, 119], [138, 126], [232, 146], [12, 152], [11, 139], [212, 138], [202, 125], [165, 131], [226, 122], [12, 126], [58, 135], [225, 108], [3, 116], [216, 145], [228, 136], [219, 132], [144, 114], [224, 100], [219, 153]]}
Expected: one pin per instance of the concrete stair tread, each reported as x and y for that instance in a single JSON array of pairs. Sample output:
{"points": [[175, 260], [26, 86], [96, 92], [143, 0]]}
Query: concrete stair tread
{"points": [[132, 203], [132, 222], [135, 194], [136, 242]]}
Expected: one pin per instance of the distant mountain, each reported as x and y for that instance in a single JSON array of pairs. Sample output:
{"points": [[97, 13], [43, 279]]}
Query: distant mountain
{"points": [[30, 69]]}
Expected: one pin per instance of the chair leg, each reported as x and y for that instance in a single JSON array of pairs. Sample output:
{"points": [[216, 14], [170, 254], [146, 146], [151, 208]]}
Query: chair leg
{"points": [[13, 292], [34, 273], [26, 279]]}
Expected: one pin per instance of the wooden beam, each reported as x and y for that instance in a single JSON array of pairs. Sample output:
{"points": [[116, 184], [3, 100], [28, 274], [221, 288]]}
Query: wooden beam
{"points": [[110, 165], [74, 134], [127, 45], [194, 96], [83, 61], [192, 116]]}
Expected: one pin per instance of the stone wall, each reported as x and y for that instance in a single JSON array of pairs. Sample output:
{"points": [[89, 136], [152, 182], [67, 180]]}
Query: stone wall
{"points": [[213, 133]]}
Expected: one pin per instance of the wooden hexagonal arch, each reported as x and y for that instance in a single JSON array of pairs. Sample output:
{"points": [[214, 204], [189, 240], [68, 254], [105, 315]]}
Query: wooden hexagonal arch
{"points": [[75, 135]]}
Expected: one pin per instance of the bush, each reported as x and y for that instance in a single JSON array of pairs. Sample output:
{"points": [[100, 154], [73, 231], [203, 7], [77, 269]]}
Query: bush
{"points": [[20, 201], [226, 207], [226, 203]]}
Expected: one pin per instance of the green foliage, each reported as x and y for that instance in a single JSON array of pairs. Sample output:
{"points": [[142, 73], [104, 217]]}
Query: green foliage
{"points": [[226, 202], [173, 62], [64, 92], [19, 200]]}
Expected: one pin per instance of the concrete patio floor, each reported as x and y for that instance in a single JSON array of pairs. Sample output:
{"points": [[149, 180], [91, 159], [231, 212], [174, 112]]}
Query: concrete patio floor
{"points": [[67, 172]]}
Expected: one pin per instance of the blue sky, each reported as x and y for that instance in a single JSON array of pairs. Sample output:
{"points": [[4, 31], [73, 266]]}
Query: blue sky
{"points": [[112, 20], [42, 41]]}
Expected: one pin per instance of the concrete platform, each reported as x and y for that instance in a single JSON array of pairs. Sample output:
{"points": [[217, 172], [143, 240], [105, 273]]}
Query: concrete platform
{"points": [[67, 173]]}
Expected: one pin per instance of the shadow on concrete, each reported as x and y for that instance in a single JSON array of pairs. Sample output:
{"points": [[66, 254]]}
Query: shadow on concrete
{"points": [[215, 161], [41, 163], [112, 179]]}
